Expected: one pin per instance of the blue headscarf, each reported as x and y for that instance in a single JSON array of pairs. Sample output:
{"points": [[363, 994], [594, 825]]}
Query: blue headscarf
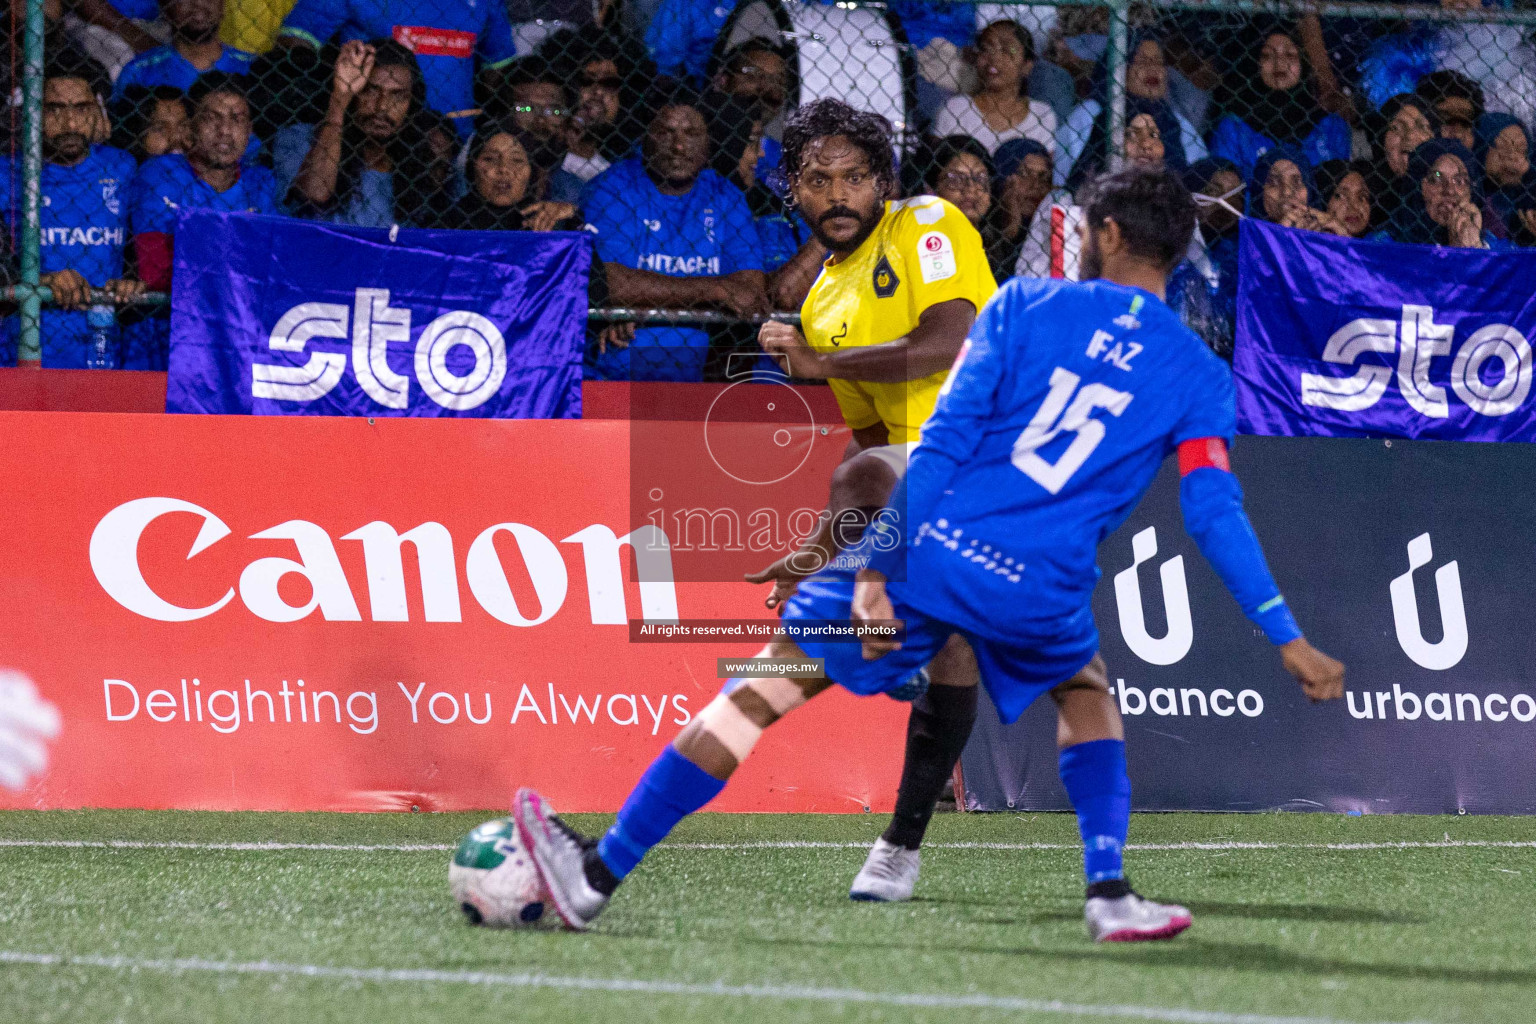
{"points": [[1261, 171], [1010, 155], [1094, 157], [1504, 200], [1412, 222]]}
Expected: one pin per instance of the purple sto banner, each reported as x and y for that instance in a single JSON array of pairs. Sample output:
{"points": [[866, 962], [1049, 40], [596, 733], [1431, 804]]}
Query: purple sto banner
{"points": [[286, 317], [1342, 338]]}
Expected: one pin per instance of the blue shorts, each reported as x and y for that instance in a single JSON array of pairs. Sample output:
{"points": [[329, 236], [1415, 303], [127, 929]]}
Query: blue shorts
{"points": [[1014, 675]]}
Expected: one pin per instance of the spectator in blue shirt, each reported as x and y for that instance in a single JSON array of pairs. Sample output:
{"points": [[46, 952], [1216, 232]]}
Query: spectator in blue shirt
{"points": [[209, 176], [84, 226], [1275, 104], [373, 160], [450, 38], [667, 213], [195, 48]]}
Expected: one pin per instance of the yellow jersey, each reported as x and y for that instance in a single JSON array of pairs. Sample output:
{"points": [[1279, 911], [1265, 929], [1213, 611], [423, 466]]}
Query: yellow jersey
{"points": [[923, 252]]}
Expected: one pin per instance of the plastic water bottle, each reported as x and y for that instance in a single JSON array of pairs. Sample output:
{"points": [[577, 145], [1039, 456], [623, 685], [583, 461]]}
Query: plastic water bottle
{"points": [[101, 321]]}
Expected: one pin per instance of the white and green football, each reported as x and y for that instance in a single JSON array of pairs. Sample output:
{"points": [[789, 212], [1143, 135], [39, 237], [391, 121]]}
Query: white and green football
{"points": [[493, 878]]}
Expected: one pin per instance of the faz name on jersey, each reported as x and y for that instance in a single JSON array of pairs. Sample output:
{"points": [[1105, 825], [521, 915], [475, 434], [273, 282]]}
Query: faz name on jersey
{"points": [[1119, 357]]}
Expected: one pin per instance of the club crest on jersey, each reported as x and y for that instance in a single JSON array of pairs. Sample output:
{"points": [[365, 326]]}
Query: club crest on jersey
{"points": [[1128, 319], [109, 196], [885, 279], [936, 257]]}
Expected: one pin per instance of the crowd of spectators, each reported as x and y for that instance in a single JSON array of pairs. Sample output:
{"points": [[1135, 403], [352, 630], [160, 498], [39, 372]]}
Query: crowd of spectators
{"points": [[632, 121]]}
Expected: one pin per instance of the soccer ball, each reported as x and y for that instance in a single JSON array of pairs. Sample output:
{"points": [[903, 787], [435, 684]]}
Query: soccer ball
{"points": [[493, 878]]}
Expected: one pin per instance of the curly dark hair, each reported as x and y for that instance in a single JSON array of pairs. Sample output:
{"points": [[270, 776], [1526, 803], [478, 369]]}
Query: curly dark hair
{"points": [[1153, 208], [825, 118]]}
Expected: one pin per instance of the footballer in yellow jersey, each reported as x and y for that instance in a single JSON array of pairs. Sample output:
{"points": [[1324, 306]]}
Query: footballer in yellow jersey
{"points": [[883, 323], [920, 253], [923, 252]]}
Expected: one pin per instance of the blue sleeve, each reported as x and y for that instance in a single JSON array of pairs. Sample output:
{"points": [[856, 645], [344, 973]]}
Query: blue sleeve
{"points": [[495, 44], [1230, 141], [1330, 140], [315, 21], [147, 207], [1210, 401], [1214, 517], [952, 432], [130, 75], [668, 35], [739, 246]]}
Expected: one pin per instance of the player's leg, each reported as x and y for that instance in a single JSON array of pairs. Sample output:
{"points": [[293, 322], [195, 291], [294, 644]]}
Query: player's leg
{"points": [[1091, 740], [580, 873], [937, 729]]}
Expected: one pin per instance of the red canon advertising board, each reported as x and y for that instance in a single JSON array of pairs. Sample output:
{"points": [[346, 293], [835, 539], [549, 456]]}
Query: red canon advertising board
{"points": [[338, 614]]}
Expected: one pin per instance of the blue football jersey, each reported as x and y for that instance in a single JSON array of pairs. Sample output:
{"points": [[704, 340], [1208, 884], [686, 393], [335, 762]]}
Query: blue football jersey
{"points": [[168, 183], [448, 38], [1063, 404], [165, 66], [708, 232], [84, 218]]}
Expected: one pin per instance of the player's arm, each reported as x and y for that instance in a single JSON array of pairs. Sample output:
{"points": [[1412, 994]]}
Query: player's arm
{"points": [[930, 347], [1213, 515]]}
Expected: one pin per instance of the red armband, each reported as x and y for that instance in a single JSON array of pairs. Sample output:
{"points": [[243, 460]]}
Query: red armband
{"points": [[153, 248], [1202, 452]]}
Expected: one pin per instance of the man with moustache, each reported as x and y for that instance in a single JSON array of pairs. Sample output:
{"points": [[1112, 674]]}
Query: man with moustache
{"points": [[195, 49], [882, 325], [84, 222], [208, 176]]}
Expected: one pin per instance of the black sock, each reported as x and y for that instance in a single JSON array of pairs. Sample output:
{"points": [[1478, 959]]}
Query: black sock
{"points": [[936, 733], [598, 874], [1110, 888]]}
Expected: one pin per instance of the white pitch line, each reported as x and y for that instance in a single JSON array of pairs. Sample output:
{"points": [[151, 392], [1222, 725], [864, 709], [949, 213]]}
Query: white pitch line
{"points": [[786, 844], [779, 993]]}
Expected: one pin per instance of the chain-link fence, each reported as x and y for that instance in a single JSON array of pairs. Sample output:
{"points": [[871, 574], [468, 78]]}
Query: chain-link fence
{"points": [[657, 124]]}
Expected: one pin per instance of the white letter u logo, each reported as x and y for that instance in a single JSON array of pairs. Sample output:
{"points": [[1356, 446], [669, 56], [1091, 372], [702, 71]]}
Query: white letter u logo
{"points": [[1181, 628], [1453, 616]]}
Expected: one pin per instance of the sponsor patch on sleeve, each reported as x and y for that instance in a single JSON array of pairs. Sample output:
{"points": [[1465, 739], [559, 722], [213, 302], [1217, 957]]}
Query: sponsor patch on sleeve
{"points": [[424, 41], [935, 257]]}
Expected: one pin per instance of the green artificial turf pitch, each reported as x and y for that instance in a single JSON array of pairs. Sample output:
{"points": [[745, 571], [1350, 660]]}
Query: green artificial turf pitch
{"points": [[1312, 917]]}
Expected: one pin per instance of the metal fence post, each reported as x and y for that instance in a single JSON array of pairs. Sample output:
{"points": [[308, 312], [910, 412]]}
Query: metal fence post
{"points": [[29, 343], [1114, 63]]}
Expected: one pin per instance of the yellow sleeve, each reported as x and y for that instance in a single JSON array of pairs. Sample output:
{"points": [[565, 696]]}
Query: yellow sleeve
{"points": [[943, 255], [857, 407]]}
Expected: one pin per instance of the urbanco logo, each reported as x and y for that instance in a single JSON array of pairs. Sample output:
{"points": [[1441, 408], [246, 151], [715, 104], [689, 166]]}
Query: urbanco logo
{"points": [[1452, 647], [1170, 648]]}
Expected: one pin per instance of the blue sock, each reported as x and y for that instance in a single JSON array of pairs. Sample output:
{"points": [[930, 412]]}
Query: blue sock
{"points": [[672, 788], [1096, 780]]}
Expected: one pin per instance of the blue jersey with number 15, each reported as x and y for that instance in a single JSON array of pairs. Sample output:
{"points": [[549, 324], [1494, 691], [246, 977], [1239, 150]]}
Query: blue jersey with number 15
{"points": [[1063, 404]]}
